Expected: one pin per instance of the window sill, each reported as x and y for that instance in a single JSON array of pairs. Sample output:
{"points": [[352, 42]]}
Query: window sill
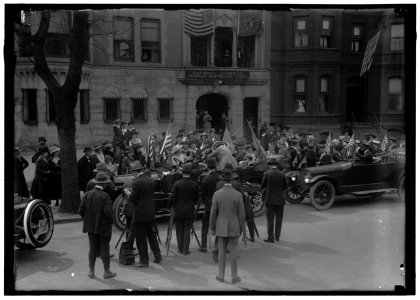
{"points": [[137, 121], [32, 123], [50, 123], [164, 120]]}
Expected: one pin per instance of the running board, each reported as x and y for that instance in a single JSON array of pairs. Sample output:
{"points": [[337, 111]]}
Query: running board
{"points": [[372, 192]]}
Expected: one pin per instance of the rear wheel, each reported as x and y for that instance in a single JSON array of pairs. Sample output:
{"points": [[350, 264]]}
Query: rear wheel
{"points": [[117, 212], [322, 195], [24, 245], [38, 224], [401, 188]]}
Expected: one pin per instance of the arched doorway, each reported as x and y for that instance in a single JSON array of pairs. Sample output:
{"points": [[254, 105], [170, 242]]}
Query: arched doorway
{"points": [[216, 105], [355, 96]]}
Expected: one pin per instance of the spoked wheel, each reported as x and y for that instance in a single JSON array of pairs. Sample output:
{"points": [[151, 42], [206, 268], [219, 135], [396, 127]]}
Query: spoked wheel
{"points": [[117, 212], [38, 224], [257, 203], [322, 195], [294, 194], [401, 188]]}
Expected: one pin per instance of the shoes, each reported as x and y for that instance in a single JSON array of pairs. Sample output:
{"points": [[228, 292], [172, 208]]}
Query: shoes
{"points": [[269, 241], [187, 252], [277, 239], [219, 279], [236, 280], [251, 240], [215, 256], [203, 250], [180, 251], [140, 265], [157, 260], [109, 274], [91, 274]]}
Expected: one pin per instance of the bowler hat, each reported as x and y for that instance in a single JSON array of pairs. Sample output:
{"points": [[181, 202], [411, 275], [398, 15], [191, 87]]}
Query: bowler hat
{"points": [[227, 175], [187, 168], [42, 139], [211, 162], [101, 177], [101, 166], [87, 149], [135, 166]]}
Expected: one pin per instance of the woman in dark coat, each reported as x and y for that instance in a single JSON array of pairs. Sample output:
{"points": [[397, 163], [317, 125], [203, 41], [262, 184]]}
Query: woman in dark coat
{"points": [[20, 164], [39, 188], [54, 178]]}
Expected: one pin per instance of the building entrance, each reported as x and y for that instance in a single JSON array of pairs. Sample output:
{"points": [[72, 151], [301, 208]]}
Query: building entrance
{"points": [[355, 96], [216, 105]]}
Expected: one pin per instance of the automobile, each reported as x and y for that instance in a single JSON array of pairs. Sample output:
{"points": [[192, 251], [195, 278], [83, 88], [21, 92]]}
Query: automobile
{"points": [[322, 184], [34, 223]]}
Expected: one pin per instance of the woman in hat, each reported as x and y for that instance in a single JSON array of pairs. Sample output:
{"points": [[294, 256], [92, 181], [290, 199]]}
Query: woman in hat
{"points": [[207, 121], [39, 188], [54, 177], [98, 155], [20, 164]]}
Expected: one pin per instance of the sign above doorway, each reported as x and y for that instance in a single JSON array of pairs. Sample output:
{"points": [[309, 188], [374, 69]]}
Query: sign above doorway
{"points": [[208, 74]]}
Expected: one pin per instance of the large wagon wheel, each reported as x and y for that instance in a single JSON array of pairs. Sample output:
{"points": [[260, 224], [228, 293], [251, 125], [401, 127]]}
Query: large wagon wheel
{"points": [[117, 212], [322, 195]]}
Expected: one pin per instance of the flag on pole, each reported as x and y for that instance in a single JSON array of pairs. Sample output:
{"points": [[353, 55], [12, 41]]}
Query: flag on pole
{"points": [[199, 22], [228, 138], [370, 50], [250, 22], [385, 143], [256, 142], [350, 145], [167, 143], [150, 146], [328, 144]]}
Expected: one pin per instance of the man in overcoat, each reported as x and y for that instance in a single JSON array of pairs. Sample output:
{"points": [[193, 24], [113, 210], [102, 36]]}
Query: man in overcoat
{"points": [[85, 167], [144, 219], [227, 222], [39, 186], [274, 181], [185, 193], [96, 211]]}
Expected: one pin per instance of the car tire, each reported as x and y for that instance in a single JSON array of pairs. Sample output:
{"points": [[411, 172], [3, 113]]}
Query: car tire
{"points": [[35, 212], [117, 212], [24, 246], [294, 196], [322, 195], [257, 203], [401, 188]]}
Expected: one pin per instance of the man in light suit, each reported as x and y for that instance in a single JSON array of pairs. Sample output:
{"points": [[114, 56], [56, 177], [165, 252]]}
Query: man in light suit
{"points": [[227, 222]]}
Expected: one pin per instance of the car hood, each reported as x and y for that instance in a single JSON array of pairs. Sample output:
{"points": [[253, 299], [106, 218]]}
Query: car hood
{"points": [[339, 166]]}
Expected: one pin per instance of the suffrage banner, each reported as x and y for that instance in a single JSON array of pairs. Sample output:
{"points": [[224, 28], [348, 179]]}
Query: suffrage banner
{"points": [[203, 74]]}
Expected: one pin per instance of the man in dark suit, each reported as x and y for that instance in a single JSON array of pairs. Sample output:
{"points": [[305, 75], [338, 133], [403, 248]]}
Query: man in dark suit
{"points": [[274, 181], [96, 211], [208, 187], [39, 186], [85, 167], [184, 196], [227, 223], [144, 218], [42, 142]]}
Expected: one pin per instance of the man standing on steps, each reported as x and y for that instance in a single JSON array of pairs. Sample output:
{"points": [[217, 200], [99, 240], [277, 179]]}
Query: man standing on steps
{"points": [[274, 181], [96, 211]]}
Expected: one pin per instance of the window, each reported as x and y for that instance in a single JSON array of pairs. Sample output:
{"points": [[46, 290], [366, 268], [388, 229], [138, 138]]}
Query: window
{"points": [[30, 107], [395, 94], [397, 37], [301, 33], [111, 109], [246, 52], [299, 98], [199, 46], [165, 109], [50, 107], [25, 41], [84, 106], [356, 43], [223, 47], [123, 39], [326, 32], [56, 44], [324, 96], [139, 109], [150, 40]]}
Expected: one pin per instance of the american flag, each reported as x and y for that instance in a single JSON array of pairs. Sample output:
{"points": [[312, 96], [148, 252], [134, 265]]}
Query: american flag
{"points": [[370, 50], [350, 145], [384, 143], [328, 144], [150, 146], [167, 143], [199, 22]]}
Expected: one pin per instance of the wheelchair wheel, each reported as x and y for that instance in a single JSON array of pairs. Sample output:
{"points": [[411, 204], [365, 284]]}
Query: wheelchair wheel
{"points": [[38, 224]]}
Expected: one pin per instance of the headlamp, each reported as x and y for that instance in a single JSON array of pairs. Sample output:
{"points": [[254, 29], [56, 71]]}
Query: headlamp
{"points": [[307, 178]]}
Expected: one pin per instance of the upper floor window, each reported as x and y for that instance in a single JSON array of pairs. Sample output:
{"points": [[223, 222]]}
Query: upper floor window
{"points": [[223, 47], [300, 94], [30, 106], [395, 94], [139, 109], [356, 42], [123, 39], [199, 51], [246, 51], [325, 38], [50, 107], [300, 33], [84, 106], [150, 40], [165, 109], [397, 37], [111, 109], [56, 44], [324, 95]]}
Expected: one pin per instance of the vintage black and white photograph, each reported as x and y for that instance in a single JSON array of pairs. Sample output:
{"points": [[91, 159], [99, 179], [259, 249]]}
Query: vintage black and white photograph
{"points": [[198, 148]]}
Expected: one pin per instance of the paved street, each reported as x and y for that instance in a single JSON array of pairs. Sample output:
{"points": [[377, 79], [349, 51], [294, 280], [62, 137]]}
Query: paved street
{"points": [[356, 245]]}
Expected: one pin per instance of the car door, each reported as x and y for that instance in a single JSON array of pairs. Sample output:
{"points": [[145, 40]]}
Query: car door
{"points": [[363, 175]]}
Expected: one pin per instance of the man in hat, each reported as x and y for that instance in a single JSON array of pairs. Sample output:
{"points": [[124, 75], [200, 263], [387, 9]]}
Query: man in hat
{"points": [[208, 187], [184, 195], [274, 183], [128, 158], [96, 211], [365, 155], [19, 165], [41, 143], [109, 188], [39, 188], [227, 223], [311, 154], [294, 153], [85, 167], [144, 218], [139, 154], [118, 135]]}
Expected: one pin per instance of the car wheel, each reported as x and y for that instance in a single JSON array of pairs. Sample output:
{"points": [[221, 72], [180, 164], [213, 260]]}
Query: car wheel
{"points": [[322, 195], [257, 203], [401, 188], [21, 244], [117, 212], [294, 195], [38, 224]]}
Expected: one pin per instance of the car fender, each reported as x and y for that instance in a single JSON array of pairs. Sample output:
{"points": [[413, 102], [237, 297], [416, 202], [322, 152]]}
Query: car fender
{"points": [[317, 178]]}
